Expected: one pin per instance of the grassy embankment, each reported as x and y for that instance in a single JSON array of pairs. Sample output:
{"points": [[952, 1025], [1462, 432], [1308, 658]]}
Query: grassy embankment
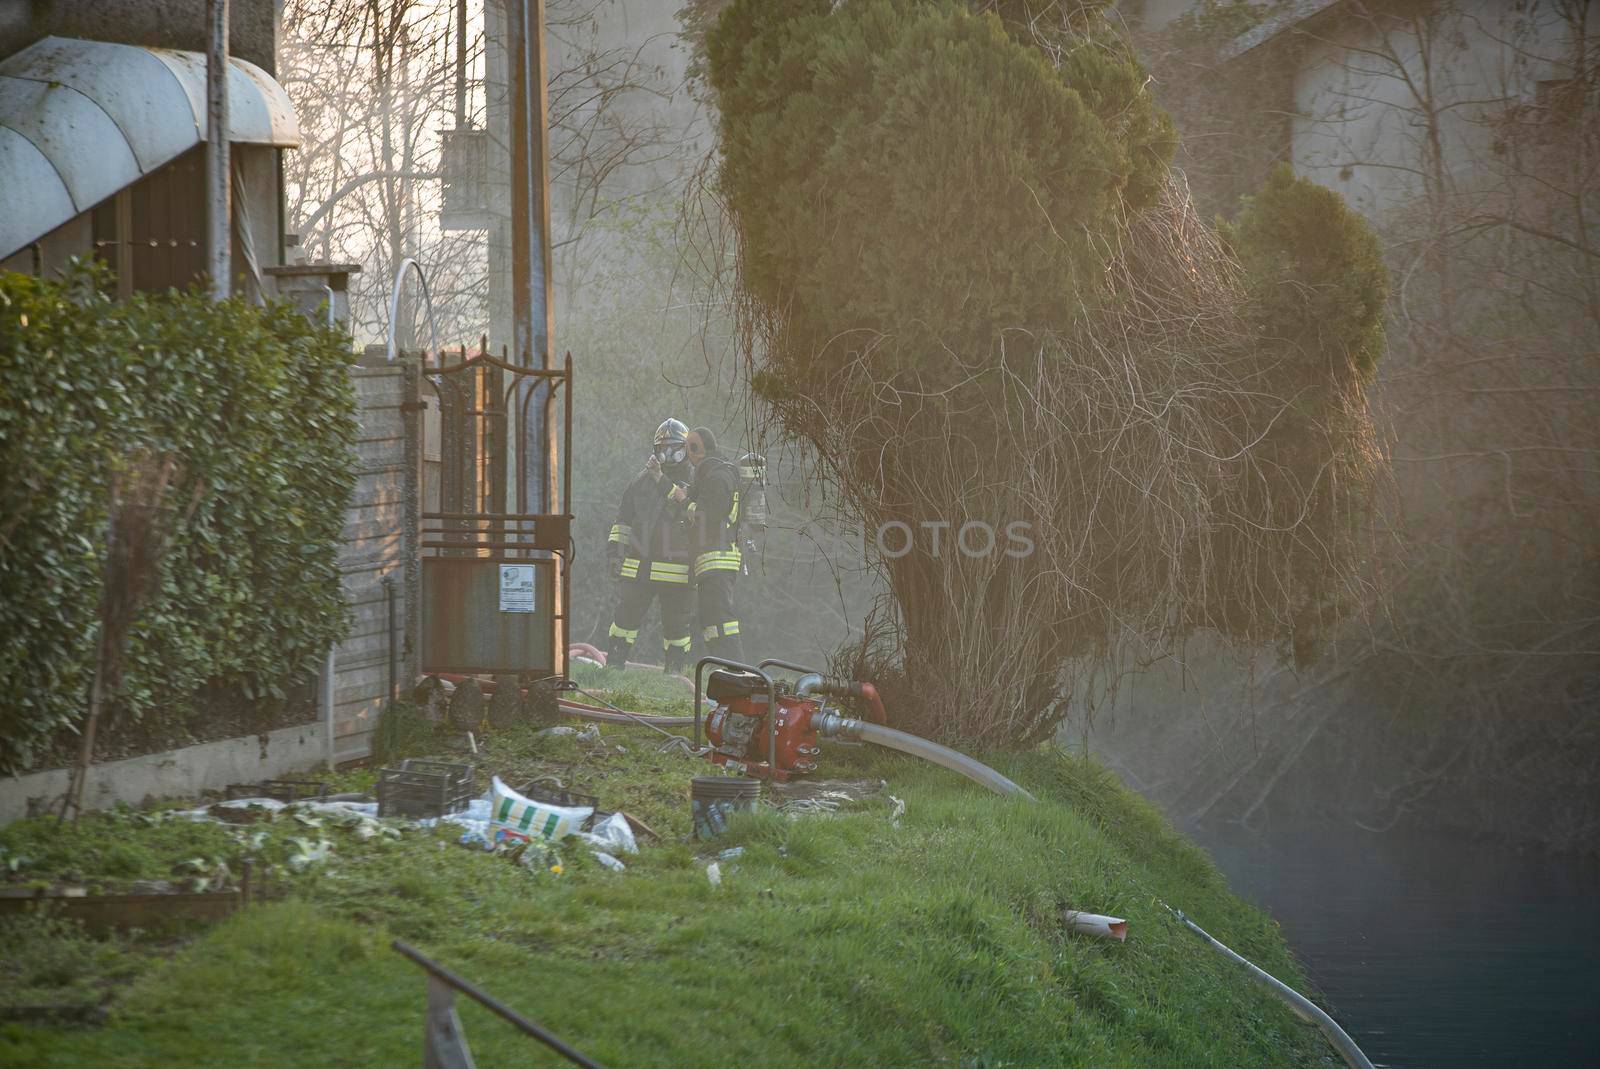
{"points": [[835, 940]]}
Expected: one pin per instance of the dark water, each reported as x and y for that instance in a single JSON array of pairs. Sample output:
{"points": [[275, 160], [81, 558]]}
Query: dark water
{"points": [[1434, 951]]}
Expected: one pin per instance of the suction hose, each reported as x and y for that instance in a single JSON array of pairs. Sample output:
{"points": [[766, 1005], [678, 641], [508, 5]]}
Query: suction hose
{"points": [[878, 735], [606, 716], [1303, 1007]]}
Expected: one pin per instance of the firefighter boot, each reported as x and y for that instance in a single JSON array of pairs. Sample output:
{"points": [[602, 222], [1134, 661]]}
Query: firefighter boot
{"points": [[618, 646]]}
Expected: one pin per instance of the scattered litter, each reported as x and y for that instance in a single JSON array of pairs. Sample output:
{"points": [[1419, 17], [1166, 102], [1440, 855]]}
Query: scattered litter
{"points": [[535, 856], [799, 806], [730, 853], [589, 733], [640, 828], [899, 811], [472, 743], [1095, 924], [612, 833], [252, 842], [205, 874], [263, 802], [424, 788], [282, 790], [306, 853], [475, 837], [516, 818], [714, 874], [843, 794], [608, 861], [474, 820]]}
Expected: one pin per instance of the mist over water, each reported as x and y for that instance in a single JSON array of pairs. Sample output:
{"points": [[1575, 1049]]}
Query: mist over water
{"points": [[1433, 950]]}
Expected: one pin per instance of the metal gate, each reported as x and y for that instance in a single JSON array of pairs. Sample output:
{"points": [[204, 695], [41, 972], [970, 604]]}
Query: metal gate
{"points": [[496, 554]]}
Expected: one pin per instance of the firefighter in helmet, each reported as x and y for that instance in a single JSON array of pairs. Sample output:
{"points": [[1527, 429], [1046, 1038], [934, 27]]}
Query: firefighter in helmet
{"points": [[711, 508], [650, 553]]}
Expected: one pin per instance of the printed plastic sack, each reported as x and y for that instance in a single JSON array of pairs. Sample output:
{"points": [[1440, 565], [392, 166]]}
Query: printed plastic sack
{"points": [[516, 819]]}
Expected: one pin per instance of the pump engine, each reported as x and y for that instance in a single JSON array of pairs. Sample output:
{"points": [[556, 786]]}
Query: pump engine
{"points": [[740, 732]]}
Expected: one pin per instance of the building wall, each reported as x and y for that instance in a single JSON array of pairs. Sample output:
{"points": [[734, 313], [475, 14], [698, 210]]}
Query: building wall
{"points": [[181, 24], [1360, 121]]}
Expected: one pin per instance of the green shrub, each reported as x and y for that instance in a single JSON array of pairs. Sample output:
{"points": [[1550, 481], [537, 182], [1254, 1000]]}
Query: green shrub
{"points": [[1315, 275], [917, 171], [257, 403]]}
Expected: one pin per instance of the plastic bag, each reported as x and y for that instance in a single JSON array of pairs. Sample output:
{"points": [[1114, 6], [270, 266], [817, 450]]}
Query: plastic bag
{"points": [[611, 834], [516, 818]]}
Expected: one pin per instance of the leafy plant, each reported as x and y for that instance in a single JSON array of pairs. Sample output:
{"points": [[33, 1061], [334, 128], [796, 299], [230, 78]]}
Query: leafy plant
{"points": [[258, 404]]}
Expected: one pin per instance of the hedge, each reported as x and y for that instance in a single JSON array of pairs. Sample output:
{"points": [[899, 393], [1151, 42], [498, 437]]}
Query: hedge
{"points": [[257, 402]]}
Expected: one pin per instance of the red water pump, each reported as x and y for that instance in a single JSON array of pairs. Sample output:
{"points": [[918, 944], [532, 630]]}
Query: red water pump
{"points": [[742, 735], [745, 739]]}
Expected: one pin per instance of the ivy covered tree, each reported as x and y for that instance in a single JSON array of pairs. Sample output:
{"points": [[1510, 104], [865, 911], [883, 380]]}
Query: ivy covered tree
{"points": [[972, 288]]}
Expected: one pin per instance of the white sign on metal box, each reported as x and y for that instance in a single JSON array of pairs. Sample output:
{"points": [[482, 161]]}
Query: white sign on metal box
{"points": [[516, 588]]}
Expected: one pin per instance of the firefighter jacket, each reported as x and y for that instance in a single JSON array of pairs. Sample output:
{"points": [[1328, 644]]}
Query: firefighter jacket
{"points": [[654, 541], [712, 512]]}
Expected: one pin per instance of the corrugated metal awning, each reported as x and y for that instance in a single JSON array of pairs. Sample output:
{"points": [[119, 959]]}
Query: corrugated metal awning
{"points": [[80, 120]]}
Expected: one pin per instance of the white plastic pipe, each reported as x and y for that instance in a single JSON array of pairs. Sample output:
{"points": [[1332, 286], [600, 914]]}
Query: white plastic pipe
{"points": [[1096, 924], [394, 304]]}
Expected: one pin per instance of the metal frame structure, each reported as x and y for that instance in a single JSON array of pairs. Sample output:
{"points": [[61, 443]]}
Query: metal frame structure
{"points": [[485, 405], [772, 704]]}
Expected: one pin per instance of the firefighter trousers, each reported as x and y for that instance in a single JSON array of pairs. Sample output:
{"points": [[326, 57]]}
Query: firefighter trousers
{"points": [[719, 623], [633, 602]]}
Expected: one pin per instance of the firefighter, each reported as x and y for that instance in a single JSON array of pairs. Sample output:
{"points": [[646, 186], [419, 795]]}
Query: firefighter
{"points": [[711, 508], [650, 553]]}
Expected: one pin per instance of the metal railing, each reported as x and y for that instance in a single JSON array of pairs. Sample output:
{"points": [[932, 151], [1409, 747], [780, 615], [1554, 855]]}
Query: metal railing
{"points": [[444, 1045]]}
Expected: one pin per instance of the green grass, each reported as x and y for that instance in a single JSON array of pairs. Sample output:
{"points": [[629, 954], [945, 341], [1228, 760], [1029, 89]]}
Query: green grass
{"points": [[636, 689], [833, 941]]}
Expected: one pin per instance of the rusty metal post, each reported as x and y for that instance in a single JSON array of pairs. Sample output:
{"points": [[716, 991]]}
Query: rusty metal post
{"points": [[414, 427], [219, 230]]}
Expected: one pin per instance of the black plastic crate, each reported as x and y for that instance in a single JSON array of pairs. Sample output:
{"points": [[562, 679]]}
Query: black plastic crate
{"points": [[282, 790], [424, 788]]}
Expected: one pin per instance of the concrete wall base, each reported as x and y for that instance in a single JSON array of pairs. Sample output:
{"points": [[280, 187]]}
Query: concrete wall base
{"points": [[209, 766]]}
